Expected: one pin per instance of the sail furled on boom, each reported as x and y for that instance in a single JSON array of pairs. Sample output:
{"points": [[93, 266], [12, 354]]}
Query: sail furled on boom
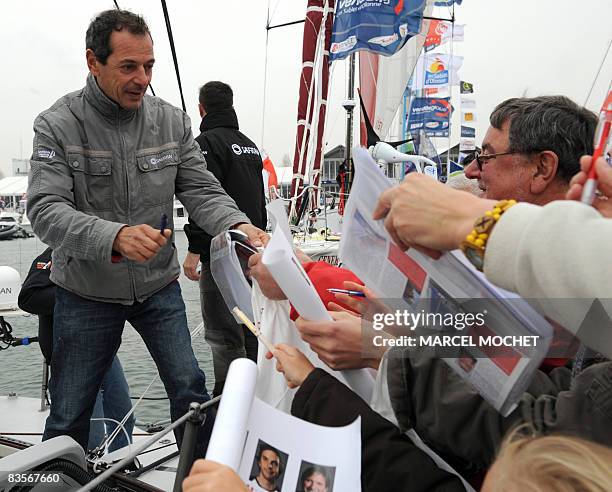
{"points": [[313, 96]]}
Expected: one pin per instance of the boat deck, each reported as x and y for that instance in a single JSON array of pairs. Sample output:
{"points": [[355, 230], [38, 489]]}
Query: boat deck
{"points": [[22, 420]]}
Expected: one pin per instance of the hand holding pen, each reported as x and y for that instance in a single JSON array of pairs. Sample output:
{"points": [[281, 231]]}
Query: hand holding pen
{"points": [[141, 242], [292, 363], [603, 198]]}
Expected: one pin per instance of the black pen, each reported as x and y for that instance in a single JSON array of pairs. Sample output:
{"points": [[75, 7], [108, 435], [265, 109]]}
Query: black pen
{"points": [[164, 223]]}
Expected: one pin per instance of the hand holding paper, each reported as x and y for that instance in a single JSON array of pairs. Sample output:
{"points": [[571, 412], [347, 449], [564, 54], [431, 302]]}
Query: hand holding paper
{"points": [[292, 279], [210, 476], [292, 363]]}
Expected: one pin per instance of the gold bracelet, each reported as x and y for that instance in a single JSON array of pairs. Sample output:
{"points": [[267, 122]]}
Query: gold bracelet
{"points": [[475, 243]]}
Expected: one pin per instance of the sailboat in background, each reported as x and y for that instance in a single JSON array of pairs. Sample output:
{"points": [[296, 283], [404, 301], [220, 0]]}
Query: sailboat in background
{"points": [[390, 39]]}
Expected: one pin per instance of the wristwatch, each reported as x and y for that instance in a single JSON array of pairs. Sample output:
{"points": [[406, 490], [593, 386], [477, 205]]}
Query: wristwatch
{"points": [[475, 243]]}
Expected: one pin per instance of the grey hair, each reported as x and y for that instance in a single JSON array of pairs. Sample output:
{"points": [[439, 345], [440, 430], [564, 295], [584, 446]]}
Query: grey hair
{"points": [[553, 123]]}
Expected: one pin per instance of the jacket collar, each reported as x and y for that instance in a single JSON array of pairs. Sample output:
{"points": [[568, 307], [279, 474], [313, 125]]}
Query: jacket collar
{"points": [[105, 105], [226, 118]]}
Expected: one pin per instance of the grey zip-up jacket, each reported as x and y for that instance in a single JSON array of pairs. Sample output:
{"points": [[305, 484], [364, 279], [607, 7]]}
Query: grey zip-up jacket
{"points": [[97, 167]]}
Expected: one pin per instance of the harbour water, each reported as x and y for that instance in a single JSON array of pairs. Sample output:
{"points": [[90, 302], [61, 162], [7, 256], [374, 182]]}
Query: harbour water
{"points": [[21, 367]]}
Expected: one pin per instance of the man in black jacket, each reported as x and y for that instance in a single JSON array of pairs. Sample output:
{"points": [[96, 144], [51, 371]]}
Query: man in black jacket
{"points": [[235, 161]]}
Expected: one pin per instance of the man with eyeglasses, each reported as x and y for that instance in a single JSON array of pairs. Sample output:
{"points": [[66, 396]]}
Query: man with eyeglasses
{"points": [[530, 153], [532, 149]]}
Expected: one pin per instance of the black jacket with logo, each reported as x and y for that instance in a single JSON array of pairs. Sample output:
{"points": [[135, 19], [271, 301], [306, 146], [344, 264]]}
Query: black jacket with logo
{"points": [[235, 161]]}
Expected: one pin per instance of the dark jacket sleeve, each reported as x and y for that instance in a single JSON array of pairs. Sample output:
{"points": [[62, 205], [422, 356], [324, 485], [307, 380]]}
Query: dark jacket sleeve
{"points": [[197, 238], [37, 294], [389, 460]]}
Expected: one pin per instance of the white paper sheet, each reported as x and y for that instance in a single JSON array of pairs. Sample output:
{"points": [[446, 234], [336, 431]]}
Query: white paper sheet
{"points": [[278, 217], [416, 282]]}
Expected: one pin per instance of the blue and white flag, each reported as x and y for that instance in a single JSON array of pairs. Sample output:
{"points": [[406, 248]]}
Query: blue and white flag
{"points": [[432, 115], [437, 70], [454, 169], [468, 132], [379, 26]]}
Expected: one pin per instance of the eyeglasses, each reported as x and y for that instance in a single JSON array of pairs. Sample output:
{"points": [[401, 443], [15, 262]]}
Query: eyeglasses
{"points": [[482, 158]]}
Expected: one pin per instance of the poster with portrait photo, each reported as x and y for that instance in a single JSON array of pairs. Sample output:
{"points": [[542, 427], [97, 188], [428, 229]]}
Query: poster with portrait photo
{"points": [[268, 468], [297, 442], [315, 478]]}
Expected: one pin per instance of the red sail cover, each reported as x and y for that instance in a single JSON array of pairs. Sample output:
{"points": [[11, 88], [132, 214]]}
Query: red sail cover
{"points": [[368, 75], [313, 94]]}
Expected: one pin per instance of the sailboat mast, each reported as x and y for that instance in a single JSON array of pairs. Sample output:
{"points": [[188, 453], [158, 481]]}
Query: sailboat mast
{"points": [[349, 105]]}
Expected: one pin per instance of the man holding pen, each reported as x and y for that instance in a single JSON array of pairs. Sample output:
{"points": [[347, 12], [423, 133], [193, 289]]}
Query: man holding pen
{"points": [[106, 164]]}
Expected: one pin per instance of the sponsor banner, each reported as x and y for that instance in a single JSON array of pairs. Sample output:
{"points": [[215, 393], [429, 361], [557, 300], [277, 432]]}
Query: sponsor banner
{"points": [[437, 92], [441, 32], [431, 115], [466, 87], [468, 132], [380, 26], [437, 70], [446, 3], [467, 117], [468, 103], [467, 144]]}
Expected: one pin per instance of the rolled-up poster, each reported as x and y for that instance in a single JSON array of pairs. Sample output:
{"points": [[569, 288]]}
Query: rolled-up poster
{"points": [[290, 276], [229, 433]]}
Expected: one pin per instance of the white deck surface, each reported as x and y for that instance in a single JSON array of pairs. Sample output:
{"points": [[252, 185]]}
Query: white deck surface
{"points": [[21, 418]]}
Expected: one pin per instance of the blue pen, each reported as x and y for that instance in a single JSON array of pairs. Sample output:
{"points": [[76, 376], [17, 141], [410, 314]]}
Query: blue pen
{"points": [[352, 293], [164, 223]]}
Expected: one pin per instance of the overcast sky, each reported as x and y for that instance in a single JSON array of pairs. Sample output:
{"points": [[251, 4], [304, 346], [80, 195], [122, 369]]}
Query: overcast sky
{"points": [[511, 48]]}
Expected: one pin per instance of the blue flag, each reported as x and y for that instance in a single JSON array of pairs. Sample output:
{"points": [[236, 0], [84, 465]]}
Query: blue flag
{"points": [[432, 115], [380, 26], [468, 132], [454, 168]]}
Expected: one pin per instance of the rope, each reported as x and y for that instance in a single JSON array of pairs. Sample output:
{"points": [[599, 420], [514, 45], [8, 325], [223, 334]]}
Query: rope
{"points": [[598, 72], [174, 58], [265, 84], [119, 8], [142, 446], [119, 424], [113, 435]]}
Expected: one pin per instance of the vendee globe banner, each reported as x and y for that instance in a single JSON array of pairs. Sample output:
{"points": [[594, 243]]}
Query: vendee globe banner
{"points": [[380, 26], [431, 115]]}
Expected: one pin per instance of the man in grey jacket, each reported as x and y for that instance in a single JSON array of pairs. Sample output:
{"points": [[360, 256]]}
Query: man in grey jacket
{"points": [[106, 164]]}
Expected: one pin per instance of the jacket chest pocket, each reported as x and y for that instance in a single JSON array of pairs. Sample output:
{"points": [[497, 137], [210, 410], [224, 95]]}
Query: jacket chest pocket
{"points": [[92, 175], [157, 170]]}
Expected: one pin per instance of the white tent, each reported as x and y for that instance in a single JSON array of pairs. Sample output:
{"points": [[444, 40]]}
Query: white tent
{"points": [[12, 189], [13, 186]]}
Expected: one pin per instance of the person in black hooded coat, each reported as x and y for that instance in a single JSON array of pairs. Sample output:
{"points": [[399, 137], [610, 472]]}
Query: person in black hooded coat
{"points": [[235, 161]]}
